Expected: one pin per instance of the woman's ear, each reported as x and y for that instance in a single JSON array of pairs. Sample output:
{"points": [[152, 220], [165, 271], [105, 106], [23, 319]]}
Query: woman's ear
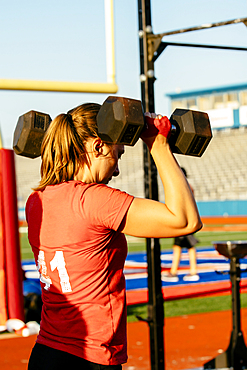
{"points": [[98, 147]]}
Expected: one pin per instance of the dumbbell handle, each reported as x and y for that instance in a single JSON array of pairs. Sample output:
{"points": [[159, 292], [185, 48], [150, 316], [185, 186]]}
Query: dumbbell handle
{"points": [[173, 129]]}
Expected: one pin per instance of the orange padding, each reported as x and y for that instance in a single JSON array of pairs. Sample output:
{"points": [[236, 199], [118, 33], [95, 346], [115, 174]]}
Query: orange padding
{"points": [[221, 220]]}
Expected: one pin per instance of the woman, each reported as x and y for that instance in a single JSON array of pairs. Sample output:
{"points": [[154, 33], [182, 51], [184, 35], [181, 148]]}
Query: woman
{"points": [[76, 229]]}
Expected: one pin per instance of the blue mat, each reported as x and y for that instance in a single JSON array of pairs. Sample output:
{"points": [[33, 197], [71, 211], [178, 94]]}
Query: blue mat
{"points": [[212, 268]]}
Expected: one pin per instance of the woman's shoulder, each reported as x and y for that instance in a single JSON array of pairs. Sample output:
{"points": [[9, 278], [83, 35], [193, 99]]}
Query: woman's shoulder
{"points": [[76, 189]]}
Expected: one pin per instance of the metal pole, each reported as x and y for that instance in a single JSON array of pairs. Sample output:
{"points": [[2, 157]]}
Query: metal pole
{"points": [[204, 27], [235, 282], [235, 357], [237, 348], [155, 301]]}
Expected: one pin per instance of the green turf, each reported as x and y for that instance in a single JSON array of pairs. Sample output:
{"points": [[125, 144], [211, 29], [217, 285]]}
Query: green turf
{"points": [[138, 244], [188, 306], [26, 251], [205, 239]]}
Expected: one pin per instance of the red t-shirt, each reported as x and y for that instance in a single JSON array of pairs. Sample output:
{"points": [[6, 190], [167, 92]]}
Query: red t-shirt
{"points": [[80, 254]]}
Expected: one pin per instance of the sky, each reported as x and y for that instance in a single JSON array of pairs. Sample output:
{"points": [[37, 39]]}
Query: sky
{"points": [[62, 40]]}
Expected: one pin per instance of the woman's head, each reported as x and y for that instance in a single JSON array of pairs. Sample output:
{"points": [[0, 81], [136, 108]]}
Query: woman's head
{"points": [[63, 147], [72, 149]]}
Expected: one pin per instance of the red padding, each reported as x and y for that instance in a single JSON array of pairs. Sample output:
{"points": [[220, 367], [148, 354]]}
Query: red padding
{"points": [[3, 302], [13, 268]]}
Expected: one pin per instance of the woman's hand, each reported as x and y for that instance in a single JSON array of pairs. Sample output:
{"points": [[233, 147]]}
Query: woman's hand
{"points": [[156, 124]]}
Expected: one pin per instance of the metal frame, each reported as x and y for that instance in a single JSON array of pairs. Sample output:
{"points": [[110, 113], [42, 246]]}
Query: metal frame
{"points": [[155, 318], [162, 45], [156, 46], [235, 357], [151, 47], [86, 87]]}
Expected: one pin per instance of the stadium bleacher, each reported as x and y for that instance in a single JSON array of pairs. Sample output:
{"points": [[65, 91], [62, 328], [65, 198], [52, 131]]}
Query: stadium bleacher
{"points": [[27, 177], [221, 173]]}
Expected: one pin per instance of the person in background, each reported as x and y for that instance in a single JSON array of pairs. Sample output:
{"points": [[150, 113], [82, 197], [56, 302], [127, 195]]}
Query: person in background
{"points": [[180, 242], [76, 227]]}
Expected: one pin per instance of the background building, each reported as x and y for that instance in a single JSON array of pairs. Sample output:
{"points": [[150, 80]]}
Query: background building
{"points": [[226, 106]]}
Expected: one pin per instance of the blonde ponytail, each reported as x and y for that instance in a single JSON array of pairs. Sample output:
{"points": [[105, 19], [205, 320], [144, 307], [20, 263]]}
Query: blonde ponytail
{"points": [[62, 151]]}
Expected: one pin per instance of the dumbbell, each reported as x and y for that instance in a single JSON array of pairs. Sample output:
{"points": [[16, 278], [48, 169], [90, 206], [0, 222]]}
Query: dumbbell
{"points": [[29, 133], [120, 121]]}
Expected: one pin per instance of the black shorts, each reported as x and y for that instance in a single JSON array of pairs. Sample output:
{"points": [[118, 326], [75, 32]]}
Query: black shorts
{"points": [[186, 241], [46, 358]]}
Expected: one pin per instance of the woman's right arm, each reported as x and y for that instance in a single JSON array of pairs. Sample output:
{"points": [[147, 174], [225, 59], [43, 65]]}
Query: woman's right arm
{"points": [[179, 215]]}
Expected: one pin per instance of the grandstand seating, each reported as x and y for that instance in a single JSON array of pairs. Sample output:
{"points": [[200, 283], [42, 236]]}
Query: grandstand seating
{"points": [[220, 174], [27, 177]]}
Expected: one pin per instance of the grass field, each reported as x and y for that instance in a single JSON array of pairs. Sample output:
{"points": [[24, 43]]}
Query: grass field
{"points": [[188, 306], [205, 239], [137, 244], [178, 307]]}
